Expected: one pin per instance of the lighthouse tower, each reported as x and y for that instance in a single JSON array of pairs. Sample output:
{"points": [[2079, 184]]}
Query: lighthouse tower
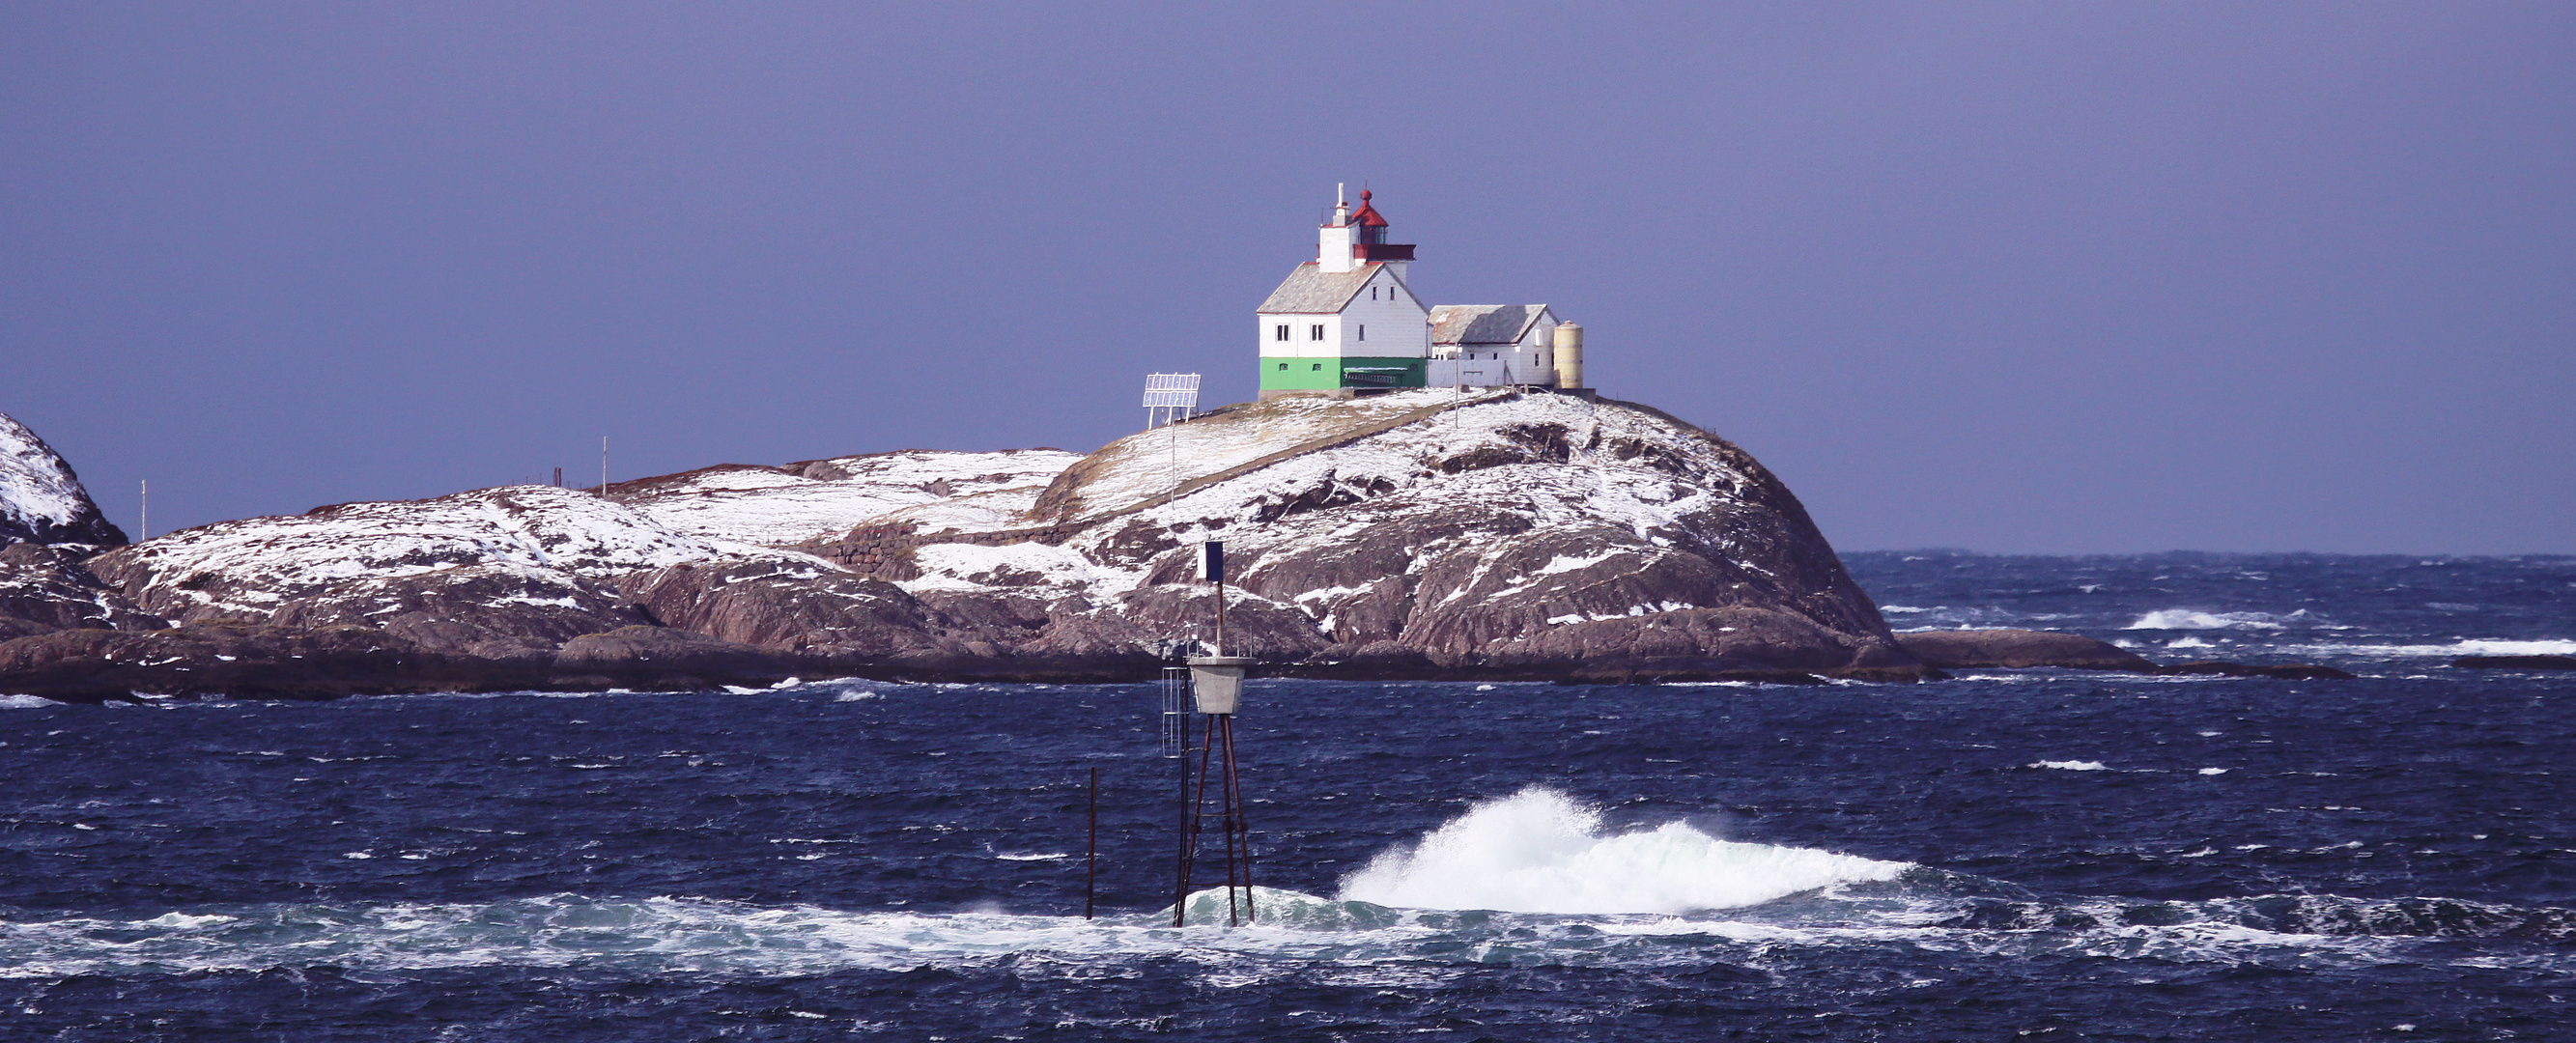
{"points": [[1345, 321]]}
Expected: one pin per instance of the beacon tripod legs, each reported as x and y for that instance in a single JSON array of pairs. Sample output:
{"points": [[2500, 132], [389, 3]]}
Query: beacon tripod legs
{"points": [[1218, 745]]}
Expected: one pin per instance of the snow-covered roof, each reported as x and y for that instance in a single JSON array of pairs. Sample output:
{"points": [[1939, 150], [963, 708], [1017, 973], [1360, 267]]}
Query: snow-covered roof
{"points": [[1483, 323], [1310, 290]]}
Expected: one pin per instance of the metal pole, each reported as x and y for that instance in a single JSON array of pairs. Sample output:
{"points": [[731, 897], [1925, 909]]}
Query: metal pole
{"points": [[1091, 852], [1198, 820], [603, 465], [1225, 800], [1181, 860], [1234, 786], [146, 524]]}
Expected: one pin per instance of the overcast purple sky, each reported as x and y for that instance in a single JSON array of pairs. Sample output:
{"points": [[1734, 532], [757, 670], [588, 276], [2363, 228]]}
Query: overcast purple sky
{"points": [[2014, 277]]}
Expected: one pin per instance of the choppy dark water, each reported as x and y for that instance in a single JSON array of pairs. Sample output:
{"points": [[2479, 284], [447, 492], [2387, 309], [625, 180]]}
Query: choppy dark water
{"points": [[2013, 855]]}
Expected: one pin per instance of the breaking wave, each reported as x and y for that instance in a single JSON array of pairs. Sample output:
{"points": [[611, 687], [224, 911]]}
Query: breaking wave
{"points": [[1537, 851], [2188, 619], [2471, 646]]}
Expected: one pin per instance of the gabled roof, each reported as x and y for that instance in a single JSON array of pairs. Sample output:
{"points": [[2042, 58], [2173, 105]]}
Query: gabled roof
{"points": [[1483, 323], [1310, 290]]}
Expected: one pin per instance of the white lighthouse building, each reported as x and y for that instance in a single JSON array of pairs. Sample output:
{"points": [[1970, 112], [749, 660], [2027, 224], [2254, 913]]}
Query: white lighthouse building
{"points": [[1348, 322]]}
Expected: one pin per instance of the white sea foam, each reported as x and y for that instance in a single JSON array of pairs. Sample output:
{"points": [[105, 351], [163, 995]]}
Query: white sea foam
{"points": [[2467, 646], [2071, 765], [1539, 851], [25, 702], [697, 935], [185, 922], [2187, 619]]}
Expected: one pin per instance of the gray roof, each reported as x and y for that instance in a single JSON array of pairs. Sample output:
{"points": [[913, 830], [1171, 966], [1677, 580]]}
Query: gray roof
{"points": [[1311, 290], [1483, 323]]}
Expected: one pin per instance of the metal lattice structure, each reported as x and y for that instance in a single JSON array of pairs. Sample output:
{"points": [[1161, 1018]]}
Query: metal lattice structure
{"points": [[1170, 398]]}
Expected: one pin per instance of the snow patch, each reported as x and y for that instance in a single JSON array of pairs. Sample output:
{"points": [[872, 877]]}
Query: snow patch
{"points": [[769, 507], [36, 486]]}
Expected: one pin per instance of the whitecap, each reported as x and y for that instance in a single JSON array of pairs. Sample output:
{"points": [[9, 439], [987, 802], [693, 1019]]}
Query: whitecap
{"points": [[185, 922], [2462, 647], [1538, 851], [2188, 619], [2070, 765], [25, 702]]}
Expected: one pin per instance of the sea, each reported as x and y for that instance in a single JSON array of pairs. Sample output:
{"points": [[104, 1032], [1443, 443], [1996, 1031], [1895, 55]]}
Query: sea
{"points": [[2010, 855]]}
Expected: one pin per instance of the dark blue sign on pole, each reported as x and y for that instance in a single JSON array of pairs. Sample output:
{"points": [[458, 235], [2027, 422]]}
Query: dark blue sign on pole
{"points": [[1212, 561]]}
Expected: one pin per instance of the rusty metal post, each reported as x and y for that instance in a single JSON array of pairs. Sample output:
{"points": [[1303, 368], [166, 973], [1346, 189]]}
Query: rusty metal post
{"points": [[1091, 852]]}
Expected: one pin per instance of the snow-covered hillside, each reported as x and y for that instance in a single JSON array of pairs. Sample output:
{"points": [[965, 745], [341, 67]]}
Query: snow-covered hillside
{"points": [[453, 572], [1434, 532], [776, 506], [1153, 463], [41, 500], [1478, 528]]}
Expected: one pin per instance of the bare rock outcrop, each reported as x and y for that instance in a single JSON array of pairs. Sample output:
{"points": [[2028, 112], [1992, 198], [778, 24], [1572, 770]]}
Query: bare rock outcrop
{"points": [[789, 606], [1967, 649], [45, 588], [1430, 533]]}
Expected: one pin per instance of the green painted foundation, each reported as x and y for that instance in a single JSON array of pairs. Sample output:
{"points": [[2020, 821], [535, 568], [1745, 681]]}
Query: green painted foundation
{"points": [[1279, 374]]}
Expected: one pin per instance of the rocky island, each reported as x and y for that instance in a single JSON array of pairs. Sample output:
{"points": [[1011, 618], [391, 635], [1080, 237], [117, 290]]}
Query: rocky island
{"points": [[1434, 533], [1498, 534]]}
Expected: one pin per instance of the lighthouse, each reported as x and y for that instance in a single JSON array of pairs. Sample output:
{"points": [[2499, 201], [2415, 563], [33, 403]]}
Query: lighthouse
{"points": [[1348, 322], [1345, 321]]}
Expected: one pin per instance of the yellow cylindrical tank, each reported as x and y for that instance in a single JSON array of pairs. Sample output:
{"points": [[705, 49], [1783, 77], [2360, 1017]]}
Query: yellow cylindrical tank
{"points": [[1569, 355]]}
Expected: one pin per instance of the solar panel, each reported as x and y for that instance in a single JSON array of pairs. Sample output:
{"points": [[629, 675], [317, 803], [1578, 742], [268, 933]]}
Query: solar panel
{"points": [[1171, 391]]}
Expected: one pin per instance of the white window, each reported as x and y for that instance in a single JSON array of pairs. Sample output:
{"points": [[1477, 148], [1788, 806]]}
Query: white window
{"points": [[1315, 332], [1281, 333]]}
